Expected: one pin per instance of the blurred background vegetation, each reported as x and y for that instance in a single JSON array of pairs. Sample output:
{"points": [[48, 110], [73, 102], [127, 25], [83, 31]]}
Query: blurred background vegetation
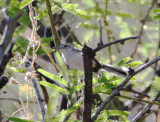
{"points": [[78, 22]]}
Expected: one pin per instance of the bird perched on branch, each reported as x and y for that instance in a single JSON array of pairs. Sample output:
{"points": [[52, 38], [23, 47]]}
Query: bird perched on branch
{"points": [[74, 59]]}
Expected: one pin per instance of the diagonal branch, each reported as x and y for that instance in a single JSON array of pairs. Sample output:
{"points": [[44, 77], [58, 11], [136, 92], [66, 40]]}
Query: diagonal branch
{"points": [[145, 109], [114, 42], [7, 35], [116, 90], [7, 44], [142, 27]]}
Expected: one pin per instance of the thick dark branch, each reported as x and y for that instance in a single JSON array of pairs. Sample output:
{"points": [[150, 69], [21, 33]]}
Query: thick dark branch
{"points": [[115, 92], [5, 59], [87, 59], [114, 42], [3, 81], [7, 35]]}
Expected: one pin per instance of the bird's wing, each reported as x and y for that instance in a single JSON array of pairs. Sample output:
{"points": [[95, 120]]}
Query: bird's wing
{"points": [[77, 50], [122, 72]]}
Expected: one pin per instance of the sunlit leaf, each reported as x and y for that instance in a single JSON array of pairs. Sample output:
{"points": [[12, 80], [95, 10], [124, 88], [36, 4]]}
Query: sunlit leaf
{"points": [[53, 77], [72, 9], [65, 113], [16, 119], [134, 63], [155, 87], [25, 3], [63, 90], [156, 10], [124, 60]]}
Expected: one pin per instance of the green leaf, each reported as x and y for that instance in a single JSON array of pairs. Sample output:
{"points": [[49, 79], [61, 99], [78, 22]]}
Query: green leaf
{"points": [[63, 90], [15, 119], [156, 17], [116, 112], [65, 113], [88, 25], [20, 45], [16, 70], [52, 107], [53, 77], [155, 87], [57, 4], [156, 10], [124, 15], [134, 63], [25, 3], [72, 9], [124, 60], [25, 19], [131, 1]]}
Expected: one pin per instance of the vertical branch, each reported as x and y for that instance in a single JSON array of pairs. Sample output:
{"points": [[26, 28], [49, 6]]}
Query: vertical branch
{"points": [[57, 42], [107, 31], [87, 59], [157, 53], [28, 65], [101, 41], [32, 44]]}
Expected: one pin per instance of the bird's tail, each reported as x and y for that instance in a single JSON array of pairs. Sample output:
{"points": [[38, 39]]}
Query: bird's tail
{"points": [[118, 71]]}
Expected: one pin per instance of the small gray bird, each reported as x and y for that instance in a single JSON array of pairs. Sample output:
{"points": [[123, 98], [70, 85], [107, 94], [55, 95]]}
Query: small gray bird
{"points": [[74, 59]]}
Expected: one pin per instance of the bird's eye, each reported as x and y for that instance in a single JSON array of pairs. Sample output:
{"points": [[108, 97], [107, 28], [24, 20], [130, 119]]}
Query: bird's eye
{"points": [[65, 45]]}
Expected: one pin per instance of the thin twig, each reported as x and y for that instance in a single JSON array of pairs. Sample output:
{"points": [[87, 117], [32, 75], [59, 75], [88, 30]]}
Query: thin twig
{"points": [[50, 57], [129, 89], [142, 27], [101, 41], [135, 99], [145, 109], [116, 90], [114, 42], [32, 43]]}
